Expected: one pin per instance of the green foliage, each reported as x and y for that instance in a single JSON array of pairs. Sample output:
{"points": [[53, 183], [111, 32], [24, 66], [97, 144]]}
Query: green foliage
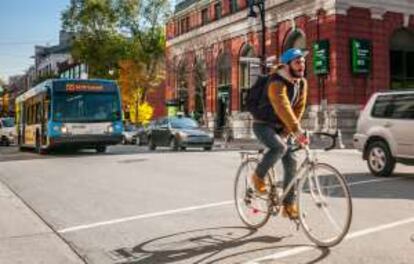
{"points": [[109, 32], [97, 41]]}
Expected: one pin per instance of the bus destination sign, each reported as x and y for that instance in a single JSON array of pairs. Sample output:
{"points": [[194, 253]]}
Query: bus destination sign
{"points": [[83, 87]]}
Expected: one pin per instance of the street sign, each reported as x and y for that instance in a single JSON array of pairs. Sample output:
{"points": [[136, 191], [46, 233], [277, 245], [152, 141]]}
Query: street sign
{"points": [[321, 57], [361, 53]]}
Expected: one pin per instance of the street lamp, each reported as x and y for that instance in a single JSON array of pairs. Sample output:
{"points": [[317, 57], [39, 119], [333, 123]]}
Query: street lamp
{"points": [[252, 15]]}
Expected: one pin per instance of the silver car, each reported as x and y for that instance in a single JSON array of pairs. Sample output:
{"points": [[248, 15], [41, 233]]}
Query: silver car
{"points": [[7, 131], [385, 131]]}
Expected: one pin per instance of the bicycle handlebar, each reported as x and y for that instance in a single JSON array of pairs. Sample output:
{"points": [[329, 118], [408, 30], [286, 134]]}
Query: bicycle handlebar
{"points": [[332, 136]]}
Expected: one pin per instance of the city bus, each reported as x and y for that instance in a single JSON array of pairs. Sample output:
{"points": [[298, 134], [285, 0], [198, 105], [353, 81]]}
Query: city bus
{"points": [[69, 113]]}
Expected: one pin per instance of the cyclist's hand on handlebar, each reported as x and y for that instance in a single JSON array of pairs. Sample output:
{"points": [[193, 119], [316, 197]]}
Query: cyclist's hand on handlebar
{"points": [[301, 138]]}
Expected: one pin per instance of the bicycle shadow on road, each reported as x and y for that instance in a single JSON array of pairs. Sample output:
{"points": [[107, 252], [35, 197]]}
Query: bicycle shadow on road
{"points": [[203, 246]]}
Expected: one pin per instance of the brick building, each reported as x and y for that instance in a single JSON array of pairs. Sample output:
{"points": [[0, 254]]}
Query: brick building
{"points": [[356, 48]]}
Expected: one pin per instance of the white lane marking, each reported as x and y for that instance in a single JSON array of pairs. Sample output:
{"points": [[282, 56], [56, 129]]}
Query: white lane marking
{"points": [[143, 216], [364, 232], [180, 210], [375, 180]]}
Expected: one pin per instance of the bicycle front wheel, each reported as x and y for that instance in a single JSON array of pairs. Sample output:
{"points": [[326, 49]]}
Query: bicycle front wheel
{"points": [[325, 205], [253, 208]]}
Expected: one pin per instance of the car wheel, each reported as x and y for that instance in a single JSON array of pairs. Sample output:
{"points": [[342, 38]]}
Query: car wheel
{"points": [[100, 149], [380, 160], [183, 148], [174, 144], [151, 144], [124, 141], [3, 141]]}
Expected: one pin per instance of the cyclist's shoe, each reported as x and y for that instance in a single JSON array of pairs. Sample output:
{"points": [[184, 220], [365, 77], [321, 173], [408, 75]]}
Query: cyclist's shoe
{"points": [[259, 184], [291, 211]]}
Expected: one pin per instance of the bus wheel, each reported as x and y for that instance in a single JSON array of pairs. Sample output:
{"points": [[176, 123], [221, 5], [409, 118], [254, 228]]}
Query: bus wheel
{"points": [[101, 149]]}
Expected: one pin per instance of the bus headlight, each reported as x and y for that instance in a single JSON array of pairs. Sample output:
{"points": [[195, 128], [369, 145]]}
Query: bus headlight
{"points": [[110, 129], [64, 129]]}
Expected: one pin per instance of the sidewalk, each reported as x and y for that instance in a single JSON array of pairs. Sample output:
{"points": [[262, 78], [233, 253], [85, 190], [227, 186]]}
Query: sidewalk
{"points": [[25, 238]]}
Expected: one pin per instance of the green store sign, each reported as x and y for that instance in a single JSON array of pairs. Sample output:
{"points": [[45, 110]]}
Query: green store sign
{"points": [[361, 56], [321, 57]]}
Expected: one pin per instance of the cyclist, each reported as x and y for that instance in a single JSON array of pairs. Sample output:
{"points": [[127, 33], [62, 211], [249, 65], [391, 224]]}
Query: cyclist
{"points": [[286, 93]]}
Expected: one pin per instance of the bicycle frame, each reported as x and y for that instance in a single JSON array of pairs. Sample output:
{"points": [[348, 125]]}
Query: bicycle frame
{"points": [[303, 167]]}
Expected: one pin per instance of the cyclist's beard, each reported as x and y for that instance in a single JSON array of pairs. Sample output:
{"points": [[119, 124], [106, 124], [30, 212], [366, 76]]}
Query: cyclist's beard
{"points": [[295, 74]]}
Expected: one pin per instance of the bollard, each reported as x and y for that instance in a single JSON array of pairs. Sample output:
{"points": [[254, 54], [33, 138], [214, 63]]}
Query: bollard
{"points": [[340, 142]]}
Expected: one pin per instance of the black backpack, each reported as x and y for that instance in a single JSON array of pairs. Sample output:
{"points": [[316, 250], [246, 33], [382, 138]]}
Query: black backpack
{"points": [[256, 99]]}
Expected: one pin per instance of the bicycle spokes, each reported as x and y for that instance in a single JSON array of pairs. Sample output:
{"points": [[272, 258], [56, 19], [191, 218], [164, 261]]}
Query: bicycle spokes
{"points": [[253, 208], [324, 205]]}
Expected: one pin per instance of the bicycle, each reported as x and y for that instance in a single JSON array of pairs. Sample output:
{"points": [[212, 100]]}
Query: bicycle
{"points": [[323, 196]]}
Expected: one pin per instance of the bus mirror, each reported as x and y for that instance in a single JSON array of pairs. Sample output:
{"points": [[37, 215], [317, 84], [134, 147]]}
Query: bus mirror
{"points": [[116, 114]]}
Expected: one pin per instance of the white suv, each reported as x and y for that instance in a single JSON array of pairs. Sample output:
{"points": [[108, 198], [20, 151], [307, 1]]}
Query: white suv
{"points": [[385, 131], [7, 131]]}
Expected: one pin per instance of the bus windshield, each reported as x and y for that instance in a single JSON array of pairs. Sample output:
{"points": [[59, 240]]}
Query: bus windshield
{"points": [[86, 107], [7, 122]]}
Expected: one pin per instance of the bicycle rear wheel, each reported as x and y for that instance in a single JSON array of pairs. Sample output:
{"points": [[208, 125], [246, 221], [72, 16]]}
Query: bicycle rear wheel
{"points": [[325, 205], [254, 209]]}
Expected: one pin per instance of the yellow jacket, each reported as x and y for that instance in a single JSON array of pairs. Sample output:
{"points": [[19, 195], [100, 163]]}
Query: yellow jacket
{"points": [[289, 113]]}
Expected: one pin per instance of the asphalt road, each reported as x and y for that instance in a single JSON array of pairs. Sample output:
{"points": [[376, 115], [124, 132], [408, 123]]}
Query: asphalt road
{"points": [[132, 206]]}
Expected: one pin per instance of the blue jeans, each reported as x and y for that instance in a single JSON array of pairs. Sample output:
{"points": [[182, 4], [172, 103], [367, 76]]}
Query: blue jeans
{"points": [[277, 149]]}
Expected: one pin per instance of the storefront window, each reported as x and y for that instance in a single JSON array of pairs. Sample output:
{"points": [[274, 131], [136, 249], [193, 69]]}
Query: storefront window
{"points": [[402, 60]]}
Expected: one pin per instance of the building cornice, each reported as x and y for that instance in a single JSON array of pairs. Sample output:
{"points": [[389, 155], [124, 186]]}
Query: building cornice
{"points": [[238, 25], [277, 11]]}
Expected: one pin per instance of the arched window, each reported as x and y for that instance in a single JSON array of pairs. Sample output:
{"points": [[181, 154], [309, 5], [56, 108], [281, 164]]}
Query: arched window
{"points": [[224, 69], [200, 89], [402, 59], [247, 73], [223, 90], [295, 39], [182, 86]]}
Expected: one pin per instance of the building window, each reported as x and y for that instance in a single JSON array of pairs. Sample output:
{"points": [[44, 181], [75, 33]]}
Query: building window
{"points": [[295, 39], [233, 6], [204, 16], [402, 60], [248, 73], [182, 26], [217, 11], [187, 24]]}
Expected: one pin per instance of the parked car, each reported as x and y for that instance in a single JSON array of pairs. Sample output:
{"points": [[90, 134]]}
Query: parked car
{"points": [[129, 135], [385, 131], [179, 133], [7, 131]]}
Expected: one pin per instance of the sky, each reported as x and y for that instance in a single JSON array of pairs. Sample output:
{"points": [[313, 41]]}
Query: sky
{"points": [[24, 24]]}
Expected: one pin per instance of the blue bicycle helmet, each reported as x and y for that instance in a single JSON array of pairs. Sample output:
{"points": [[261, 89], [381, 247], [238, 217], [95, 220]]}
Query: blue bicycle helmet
{"points": [[292, 54]]}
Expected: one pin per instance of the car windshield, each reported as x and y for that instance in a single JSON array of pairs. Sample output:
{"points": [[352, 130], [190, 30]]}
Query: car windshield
{"points": [[187, 123], [8, 122], [130, 128], [86, 107]]}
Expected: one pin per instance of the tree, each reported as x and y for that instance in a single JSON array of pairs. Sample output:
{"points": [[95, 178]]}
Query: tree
{"points": [[97, 42], [144, 20]]}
